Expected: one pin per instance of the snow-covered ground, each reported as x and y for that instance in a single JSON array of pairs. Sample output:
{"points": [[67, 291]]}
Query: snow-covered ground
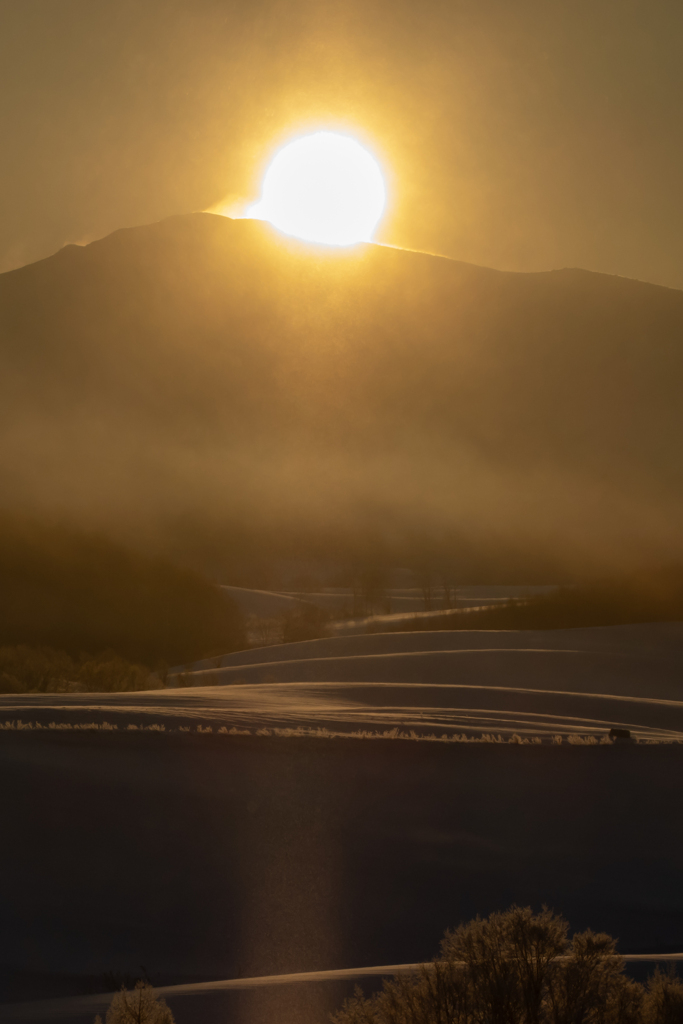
{"points": [[399, 600], [573, 682]]}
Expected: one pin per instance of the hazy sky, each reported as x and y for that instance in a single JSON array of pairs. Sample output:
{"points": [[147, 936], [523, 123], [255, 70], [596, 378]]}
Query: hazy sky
{"points": [[520, 134]]}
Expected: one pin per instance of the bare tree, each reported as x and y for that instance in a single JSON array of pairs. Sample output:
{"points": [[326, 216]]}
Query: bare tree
{"points": [[140, 1006], [520, 968], [590, 984], [663, 999], [508, 958]]}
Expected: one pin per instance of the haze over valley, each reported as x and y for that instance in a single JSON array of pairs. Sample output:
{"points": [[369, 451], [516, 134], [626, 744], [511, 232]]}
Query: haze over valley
{"points": [[204, 383]]}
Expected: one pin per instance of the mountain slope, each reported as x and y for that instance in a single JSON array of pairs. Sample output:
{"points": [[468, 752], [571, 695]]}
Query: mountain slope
{"points": [[202, 372]]}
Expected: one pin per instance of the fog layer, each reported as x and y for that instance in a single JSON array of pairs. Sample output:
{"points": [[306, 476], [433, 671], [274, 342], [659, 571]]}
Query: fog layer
{"points": [[208, 377]]}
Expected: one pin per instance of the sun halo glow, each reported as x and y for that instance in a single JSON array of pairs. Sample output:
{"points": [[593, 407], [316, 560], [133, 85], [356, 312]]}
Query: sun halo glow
{"points": [[323, 188]]}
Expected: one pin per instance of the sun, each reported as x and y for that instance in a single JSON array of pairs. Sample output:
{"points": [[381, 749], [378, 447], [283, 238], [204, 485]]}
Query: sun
{"points": [[323, 188]]}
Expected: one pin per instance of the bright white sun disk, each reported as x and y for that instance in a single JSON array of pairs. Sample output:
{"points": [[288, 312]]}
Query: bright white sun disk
{"points": [[323, 188]]}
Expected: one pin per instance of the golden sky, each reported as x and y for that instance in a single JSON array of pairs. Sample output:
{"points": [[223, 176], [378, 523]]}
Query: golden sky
{"points": [[518, 134]]}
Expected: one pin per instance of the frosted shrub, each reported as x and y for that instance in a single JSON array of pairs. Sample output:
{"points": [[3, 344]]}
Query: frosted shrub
{"points": [[140, 1006], [45, 670], [520, 968], [664, 999]]}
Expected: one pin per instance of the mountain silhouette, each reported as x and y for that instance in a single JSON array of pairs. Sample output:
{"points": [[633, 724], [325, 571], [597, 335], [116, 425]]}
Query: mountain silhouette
{"points": [[206, 378]]}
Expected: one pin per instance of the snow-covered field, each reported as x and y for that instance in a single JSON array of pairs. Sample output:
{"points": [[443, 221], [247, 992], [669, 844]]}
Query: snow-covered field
{"points": [[400, 600], [242, 857], [545, 684], [265, 609]]}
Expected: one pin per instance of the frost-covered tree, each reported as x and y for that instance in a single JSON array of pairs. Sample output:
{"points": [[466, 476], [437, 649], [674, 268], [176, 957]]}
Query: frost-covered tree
{"points": [[519, 967], [141, 1006]]}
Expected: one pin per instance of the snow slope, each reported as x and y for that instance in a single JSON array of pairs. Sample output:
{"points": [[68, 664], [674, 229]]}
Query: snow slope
{"points": [[536, 684]]}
